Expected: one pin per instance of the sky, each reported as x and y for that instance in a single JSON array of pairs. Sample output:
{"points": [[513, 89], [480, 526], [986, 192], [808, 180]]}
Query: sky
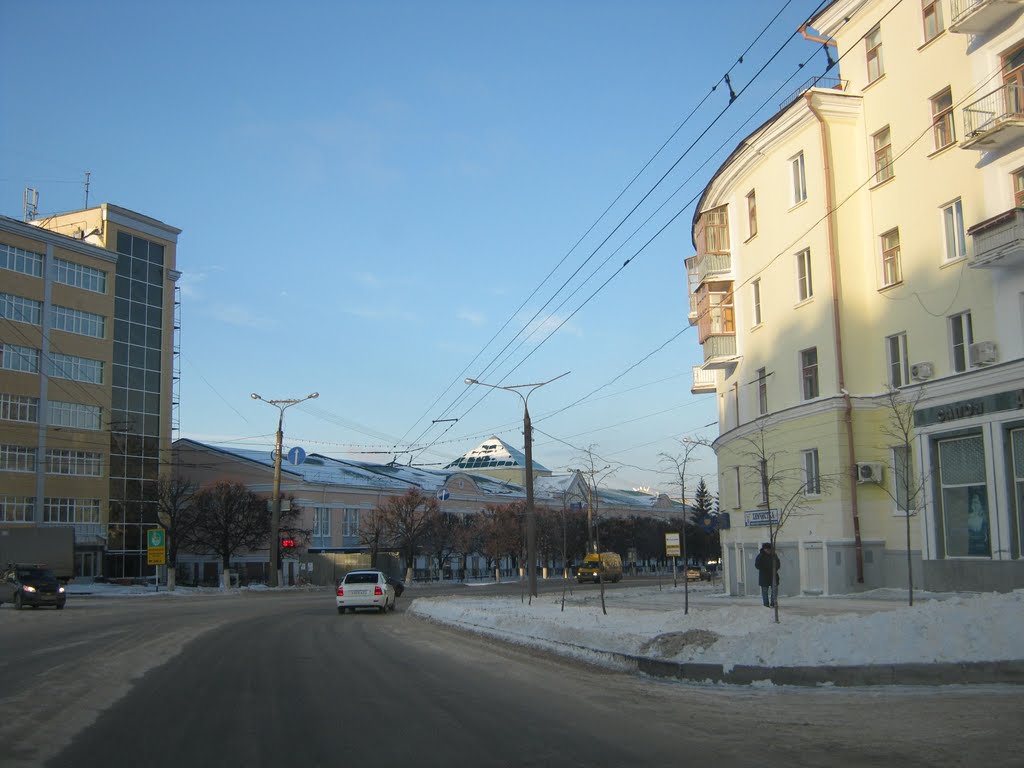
{"points": [[379, 200]]}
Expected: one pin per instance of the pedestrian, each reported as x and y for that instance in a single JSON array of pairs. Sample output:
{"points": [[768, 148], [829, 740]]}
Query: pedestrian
{"points": [[764, 562]]}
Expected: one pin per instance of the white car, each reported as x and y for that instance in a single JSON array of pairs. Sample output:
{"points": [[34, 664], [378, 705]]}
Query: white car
{"points": [[365, 589]]}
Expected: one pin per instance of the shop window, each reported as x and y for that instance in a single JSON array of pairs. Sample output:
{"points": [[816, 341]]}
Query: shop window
{"points": [[965, 514], [1017, 443]]}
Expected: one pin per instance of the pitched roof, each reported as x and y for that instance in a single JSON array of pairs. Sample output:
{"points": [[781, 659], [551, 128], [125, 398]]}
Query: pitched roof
{"points": [[493, 453]]}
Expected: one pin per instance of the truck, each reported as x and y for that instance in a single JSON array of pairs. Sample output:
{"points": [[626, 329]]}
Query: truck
{"points": [[606, 566], [49, 545]]}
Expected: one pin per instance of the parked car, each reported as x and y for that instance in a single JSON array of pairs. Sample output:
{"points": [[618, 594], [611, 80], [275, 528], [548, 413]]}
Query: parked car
{"points": [[694, 573], [365, 589], [24, 584]]}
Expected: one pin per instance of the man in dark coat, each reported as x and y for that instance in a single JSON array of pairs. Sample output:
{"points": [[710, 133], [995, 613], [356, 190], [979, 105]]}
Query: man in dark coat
{"points": [[763, 562]]}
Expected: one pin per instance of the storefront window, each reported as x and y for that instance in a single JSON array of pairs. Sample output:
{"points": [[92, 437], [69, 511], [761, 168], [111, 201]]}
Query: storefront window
{"points": [[1017, 440], [965, 513]]}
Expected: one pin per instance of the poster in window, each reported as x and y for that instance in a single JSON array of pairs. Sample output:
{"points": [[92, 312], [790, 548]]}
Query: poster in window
{"points": [[977, 521]]}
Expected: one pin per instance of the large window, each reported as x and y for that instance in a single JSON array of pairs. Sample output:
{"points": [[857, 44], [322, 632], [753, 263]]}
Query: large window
{"points": [[17, 458], [18, 260], [873, 49], [76, 368], [321, 527], [19, 407], [21, 310], [15, 358], [756, 288], [16, 509], [964, 496], [812, 477], [762, 391], [809, 373], [350, 523], [61, 461], [943, 129], [799, 178], [74, 415], [882, 142], [892, 270], [77, 321], [953, 228], [751, 214], [1017, 443], [931, 12], [804, 284], [81, 276], [65, 510], [896, 354], [961, 336]]}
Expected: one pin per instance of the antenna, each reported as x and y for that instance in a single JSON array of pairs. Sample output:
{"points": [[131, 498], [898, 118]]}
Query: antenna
{"points": [[87, 175], [30, 201]]}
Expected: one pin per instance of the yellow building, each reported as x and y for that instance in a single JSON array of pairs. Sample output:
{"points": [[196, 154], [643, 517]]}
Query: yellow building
{"points": [[865, 241], [87, 328]]}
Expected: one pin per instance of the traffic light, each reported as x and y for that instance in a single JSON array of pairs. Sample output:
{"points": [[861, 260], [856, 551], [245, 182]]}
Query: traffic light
{"points": [[288, 543]]}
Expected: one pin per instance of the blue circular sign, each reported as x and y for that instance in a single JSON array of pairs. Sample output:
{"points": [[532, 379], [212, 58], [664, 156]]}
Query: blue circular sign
{"points": [[443, 494], [296, 455]]}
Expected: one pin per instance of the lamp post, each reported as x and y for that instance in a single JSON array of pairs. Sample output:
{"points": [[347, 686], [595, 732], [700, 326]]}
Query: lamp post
{"points": [[531, 516], [275, 518]]}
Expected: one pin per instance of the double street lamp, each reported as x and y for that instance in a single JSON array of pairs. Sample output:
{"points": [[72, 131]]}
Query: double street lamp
{"points": [[531, 516], [275, 519]]}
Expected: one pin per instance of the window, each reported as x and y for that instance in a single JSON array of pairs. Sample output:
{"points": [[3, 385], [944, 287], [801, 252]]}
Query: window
{"points": [[77, 321], [812, 478], [62, 510], [961, 335], [931, 11], [737, 486], [751, 214], [756, 287], [903, 490], [19, 408], [76, 368], [964, 497], [350, 523], [953, 226], [16, 509], [883, 155], [17, 260], [873, 46], [1017, 441], [763, 473], [15, 358], [896, 353], [892, 273], [20, 309], [17, 458], [943, 130], [799, 178], [809, 373], [74, 415], [804, 286], [762, 391], [321, 527], [81, 276], [60, 461], [1018, 187]]}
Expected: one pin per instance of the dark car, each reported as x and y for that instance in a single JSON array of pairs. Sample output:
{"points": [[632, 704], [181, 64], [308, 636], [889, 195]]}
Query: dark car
{"points": [[398, 585], [33, 585]]}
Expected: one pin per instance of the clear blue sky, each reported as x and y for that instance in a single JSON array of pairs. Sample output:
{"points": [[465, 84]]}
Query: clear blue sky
{"points": [[368, 191]]}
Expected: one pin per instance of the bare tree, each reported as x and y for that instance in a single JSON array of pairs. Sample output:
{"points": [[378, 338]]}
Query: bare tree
{"points": [[441, 539], [230, 519], [907, 493], [680, 464], [500, 533], [408, 518], [176, 515], [373, 532]]}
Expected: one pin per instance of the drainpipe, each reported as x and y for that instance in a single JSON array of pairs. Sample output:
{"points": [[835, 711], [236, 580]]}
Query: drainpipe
{"points": [[826, 151], [815, 38]]}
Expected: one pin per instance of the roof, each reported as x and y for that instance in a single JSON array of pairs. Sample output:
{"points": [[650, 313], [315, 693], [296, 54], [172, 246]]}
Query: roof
{"points": [[494, 453]]}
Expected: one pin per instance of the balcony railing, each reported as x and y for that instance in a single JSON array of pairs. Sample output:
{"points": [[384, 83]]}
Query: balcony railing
{"points": [[704, 381], [719, 351], [821, 81], [999, 241], [995, 119], [712, 264], [972, 17]]}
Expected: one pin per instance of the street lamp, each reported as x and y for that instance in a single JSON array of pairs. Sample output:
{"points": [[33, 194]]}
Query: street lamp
{"points": [[275, 519], [531, 516]]}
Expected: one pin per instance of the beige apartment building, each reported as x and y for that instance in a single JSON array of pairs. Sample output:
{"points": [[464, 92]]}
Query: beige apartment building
{"points": [[87, 339], [867, 240]]}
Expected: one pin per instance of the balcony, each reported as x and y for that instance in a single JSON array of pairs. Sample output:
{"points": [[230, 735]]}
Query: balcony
{"points": [[712, 265], [996, 120], [719, 352], [999, 241], [704, 382], [974, 17]]}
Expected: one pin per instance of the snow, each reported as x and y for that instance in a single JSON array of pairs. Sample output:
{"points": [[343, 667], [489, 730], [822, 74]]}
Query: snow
{"points": [[877, 627]]}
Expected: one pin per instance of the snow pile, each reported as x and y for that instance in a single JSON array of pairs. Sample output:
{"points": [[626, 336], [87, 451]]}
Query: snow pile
{"points": [[811, 632]]}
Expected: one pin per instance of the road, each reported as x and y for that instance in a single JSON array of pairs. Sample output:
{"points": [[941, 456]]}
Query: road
{"points": [[278, 679]]}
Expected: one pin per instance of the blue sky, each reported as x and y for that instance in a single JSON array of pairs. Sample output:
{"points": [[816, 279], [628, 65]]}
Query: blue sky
{"points": [[370, 191]]}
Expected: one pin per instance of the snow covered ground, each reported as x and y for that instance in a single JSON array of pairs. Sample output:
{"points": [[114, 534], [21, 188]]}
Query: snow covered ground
{"points": [[873, 628]]}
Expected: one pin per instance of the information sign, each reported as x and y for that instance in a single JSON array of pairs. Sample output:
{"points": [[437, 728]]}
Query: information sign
{"points": [[156, 546]]}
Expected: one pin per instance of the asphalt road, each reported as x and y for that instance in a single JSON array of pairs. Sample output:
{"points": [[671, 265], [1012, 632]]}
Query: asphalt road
{"points": [[280, 679]]}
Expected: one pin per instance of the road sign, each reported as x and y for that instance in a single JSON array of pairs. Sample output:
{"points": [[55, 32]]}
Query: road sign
{"points": [[156, 546], [296, 455], [672, 545], [443, 494]]}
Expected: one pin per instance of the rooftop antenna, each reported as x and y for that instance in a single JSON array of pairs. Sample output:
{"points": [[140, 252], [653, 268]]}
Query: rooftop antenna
{"points": [[87, 175], [30, 201]]}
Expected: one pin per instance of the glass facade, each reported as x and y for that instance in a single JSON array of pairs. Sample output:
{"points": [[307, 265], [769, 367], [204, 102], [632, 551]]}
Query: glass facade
{"points": [[135, 419]]}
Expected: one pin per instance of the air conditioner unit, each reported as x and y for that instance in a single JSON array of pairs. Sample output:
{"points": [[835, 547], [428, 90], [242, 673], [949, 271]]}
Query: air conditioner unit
{"points": [[983, 353], [922, 371], [869, 472]]}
